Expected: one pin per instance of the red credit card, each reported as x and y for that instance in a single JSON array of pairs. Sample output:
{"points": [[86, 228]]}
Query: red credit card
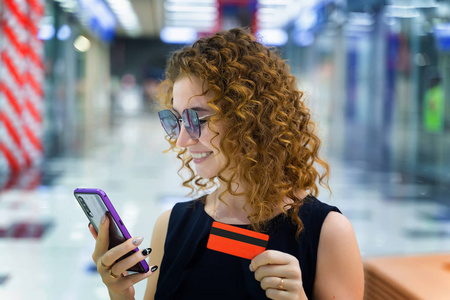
{"points": [[236, 241]]}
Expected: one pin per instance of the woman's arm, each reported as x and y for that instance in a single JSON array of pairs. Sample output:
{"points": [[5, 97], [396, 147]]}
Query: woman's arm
{"points": [[339, 271], [157, 245]]}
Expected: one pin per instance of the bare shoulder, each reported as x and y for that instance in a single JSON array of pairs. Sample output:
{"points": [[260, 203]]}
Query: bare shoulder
{"points": [[157, 244], [163, 221], [339, 270], [336, 223], [160, 230]]}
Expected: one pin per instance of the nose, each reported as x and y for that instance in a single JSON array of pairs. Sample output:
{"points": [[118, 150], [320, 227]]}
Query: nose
{"points": [[184, 139]]}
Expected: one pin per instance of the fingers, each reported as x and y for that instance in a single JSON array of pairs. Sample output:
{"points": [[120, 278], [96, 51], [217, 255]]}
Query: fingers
{"points": [[270, 257], [281, 288], [274, 263], [273, 283], [101, 246], [111, 256], [278, 273], [92, 230], [124, 264], [122, 283], [113, 271], [135, 278], [275, 288], [279, 294]]}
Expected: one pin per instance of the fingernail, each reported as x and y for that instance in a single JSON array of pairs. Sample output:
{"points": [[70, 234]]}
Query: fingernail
{"points": [[137, 241], [147, 251], [153, 269], [102, 220], [250, 267]]}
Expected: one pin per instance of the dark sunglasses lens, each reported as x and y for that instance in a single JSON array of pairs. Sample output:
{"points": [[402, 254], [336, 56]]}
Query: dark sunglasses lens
{"points": [[170, 123], [190, 120]]}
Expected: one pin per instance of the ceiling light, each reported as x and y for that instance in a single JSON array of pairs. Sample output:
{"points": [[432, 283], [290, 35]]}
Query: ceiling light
{"points": [[400, 11], [64, 33], [126, 15], [425, 3], [274, 2], [307, 19], [178, 35], [46, 32], [82, 44], [192, 1], [273, 37], [190, 17], [202, 15], [69, 4], [198, 26], [189, 8], [361, 19]]}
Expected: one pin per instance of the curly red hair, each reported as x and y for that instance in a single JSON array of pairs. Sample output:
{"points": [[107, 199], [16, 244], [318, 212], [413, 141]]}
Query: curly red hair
{"points": [[269, 141]]}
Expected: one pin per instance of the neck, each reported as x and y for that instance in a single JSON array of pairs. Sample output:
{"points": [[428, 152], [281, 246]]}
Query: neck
{"points": [[229, 209], [236, 201], [234, 209]]}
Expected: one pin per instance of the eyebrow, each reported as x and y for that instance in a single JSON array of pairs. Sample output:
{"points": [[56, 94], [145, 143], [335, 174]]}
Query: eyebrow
{"points": [[198, 109]]}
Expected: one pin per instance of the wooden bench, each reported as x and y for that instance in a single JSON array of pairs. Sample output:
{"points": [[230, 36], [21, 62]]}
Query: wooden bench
{"points": [[407, 277]]}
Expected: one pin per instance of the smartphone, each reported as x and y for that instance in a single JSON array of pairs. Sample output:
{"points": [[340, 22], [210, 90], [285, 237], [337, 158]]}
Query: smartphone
{"points": [[95, 204]]}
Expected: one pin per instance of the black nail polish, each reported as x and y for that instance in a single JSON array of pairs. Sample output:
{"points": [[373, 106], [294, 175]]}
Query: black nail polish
{"points": [[153, 269], [146, 251]]}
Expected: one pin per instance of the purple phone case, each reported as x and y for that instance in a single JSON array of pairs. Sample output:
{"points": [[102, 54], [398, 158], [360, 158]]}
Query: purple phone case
{"points": [[143, 264]]}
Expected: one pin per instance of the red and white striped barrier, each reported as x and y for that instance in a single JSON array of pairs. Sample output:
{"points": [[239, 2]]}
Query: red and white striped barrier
{"points": [[21, 82]]}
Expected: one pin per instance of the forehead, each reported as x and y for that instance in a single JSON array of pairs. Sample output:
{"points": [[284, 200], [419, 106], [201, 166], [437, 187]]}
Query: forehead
{"points": [[187, 93]]}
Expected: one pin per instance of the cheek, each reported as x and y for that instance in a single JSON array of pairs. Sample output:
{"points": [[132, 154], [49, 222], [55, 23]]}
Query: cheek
{"points": [[210, 139], [215, 132]]}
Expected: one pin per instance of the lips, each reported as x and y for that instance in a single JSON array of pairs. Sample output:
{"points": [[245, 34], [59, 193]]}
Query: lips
{"points": [[199, 157]]}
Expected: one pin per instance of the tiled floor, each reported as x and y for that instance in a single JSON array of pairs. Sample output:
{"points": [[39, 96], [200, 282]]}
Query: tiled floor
{"points": [[46, 247]]}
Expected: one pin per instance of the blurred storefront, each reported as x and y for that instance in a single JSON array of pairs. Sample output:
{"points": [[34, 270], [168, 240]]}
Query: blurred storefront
{"points": [[77, 82], [55, 72], [376, 72], [21, 79]]}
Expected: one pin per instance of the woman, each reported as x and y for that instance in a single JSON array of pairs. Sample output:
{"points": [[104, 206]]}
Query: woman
{"points": [[235, 114]]}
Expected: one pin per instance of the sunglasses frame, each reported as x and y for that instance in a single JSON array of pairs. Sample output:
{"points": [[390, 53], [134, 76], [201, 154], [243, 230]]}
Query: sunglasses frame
{"points": [[184, 115]]}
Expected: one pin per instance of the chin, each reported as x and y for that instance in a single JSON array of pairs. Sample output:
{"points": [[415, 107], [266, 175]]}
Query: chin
{"points": [[207, 174]]}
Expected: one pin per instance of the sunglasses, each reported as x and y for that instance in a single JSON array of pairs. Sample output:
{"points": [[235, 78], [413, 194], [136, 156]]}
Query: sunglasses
{"points": [[191, 121]]}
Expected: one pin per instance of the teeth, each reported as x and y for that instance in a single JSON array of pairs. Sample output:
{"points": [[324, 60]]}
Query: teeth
{"points": [[200, 155]]}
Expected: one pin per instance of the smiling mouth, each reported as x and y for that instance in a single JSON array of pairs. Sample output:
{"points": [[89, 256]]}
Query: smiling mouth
{"points": [[200, 155]]}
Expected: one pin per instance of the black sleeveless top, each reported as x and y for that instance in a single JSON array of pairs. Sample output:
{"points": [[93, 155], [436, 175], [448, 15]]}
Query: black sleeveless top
{"points": [[191, 271]]}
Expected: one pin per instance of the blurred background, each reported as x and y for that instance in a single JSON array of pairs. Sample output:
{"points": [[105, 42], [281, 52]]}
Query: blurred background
{"points": [[77, 109]]}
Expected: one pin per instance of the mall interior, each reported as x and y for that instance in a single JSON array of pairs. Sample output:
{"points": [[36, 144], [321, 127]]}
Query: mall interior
{"points": [[78, 108]]}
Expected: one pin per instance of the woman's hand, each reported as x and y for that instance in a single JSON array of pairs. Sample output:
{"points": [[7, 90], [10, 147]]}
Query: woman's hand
{"points": [[279, 274], [114, 274]]}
